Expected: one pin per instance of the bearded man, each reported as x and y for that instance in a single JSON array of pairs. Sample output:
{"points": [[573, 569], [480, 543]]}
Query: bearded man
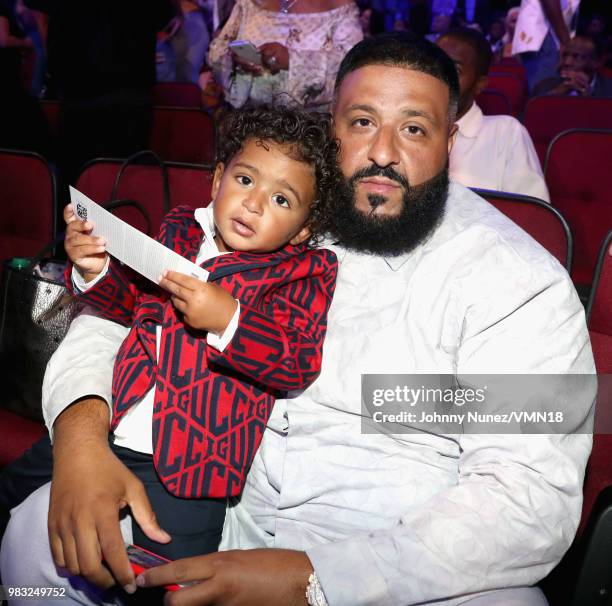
{"points": [[432, 280]]}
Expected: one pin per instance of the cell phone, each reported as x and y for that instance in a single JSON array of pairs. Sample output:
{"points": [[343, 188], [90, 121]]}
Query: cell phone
{"points": [[246, 51], [141, 559]]}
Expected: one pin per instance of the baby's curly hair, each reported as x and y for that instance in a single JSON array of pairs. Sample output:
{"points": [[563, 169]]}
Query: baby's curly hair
{"points": [[309, 139]]}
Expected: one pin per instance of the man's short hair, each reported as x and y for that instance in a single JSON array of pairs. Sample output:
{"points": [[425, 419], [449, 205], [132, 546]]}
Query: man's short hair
{"points": [[597, 44], [402, 49], [483, 55]]}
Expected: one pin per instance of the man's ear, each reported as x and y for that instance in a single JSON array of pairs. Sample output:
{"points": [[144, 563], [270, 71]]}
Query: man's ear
{"points": [[216, 184], [301, 236], [481, 84], [452, 136]]}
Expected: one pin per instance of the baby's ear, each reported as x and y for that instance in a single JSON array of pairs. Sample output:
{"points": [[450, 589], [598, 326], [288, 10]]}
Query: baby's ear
{"points": [[219, 169], [301, 236]]}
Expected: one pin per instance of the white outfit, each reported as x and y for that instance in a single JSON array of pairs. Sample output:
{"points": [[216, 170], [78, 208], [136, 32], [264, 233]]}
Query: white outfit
{"points": [[532, 26], [316, 42], [496, 152], [410, 518]]}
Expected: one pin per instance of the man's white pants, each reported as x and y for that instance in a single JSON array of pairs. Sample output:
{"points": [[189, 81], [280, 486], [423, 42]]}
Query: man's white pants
{"points": [[25, 561], [25, 558]]}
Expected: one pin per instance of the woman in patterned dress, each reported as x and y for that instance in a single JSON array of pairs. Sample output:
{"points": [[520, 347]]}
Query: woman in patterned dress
{"points": [[301, 42]]}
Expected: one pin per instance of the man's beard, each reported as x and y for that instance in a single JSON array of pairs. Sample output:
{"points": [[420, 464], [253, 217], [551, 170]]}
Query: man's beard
{"points": [[389, 236]]}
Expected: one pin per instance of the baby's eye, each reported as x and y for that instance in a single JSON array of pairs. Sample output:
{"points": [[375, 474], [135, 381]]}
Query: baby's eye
{"points": [[244, 180], [281, 200]]}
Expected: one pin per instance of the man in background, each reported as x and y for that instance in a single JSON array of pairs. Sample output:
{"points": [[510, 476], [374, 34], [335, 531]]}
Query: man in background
{"points": [[101, 63], [577, 73], [542, 27], [490, 152]]}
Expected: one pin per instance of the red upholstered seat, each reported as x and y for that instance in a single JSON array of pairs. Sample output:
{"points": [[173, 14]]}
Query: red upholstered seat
{"points": [[509, 65], [577, 170], [546, 117], [27, 199], [599, 317], [17, 435], [599, 308], [177, 94], [183, 135], [542, 222], [189, 184], [494, 103], [513, 86]]}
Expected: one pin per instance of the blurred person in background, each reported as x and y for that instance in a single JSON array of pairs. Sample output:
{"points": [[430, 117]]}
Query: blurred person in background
{"points": [[596, 28], [419, 16], [365, 19], [101, 62], [542, 27], [301, 43], [577, 73], [22, 123], [511, 17], [495, 37], [181, 51], [490, 152], [440, 24]]}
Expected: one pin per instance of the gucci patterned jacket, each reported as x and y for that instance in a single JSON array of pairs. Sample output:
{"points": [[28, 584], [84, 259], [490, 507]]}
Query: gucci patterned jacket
{"points": [[211, 407]]}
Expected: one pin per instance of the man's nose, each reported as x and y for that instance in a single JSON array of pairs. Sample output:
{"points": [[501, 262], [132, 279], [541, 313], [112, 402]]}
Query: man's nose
{"points": [[383, 150], [254, 203]]}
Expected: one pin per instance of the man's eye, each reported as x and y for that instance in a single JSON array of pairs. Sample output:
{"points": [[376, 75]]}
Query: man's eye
{"points": [[281, 200], [415, 130], [361, 122], [244, 180]]}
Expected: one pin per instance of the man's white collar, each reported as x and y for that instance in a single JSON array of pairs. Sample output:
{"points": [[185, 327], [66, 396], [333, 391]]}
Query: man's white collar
{"points": [[469, 123]]}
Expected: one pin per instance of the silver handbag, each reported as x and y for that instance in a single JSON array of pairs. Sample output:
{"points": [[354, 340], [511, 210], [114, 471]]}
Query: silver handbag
{"points": [[36, 314]]}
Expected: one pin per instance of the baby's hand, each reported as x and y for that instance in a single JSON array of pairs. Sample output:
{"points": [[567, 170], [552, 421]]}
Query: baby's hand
{"points": [[87, 253], [204, 306]]}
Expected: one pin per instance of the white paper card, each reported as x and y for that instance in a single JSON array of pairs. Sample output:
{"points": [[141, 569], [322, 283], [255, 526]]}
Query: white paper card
{"points": [[137, 250]]}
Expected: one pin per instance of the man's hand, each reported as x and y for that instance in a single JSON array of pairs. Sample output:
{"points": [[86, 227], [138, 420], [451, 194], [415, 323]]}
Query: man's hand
{"points": [[576, 80], [87, 253], [275, 56], [204, 306], [89, 488], [256, 577]]}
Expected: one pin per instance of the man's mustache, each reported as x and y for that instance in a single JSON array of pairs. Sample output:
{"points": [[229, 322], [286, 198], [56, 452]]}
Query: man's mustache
{"points": [[378, 171]]}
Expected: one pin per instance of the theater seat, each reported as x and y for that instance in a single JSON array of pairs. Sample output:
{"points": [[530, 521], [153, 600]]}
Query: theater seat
{"points": [[540, 220], [595, 579], [513, 86], [183, 135], [577, 171], [494, 103], [547, 116], [177, 94], [17, 435], [190, 184], [27, 203]]}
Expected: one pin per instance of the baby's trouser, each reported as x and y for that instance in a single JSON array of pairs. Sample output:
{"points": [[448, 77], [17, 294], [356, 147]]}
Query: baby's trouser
{"points": [[195, 525]]}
